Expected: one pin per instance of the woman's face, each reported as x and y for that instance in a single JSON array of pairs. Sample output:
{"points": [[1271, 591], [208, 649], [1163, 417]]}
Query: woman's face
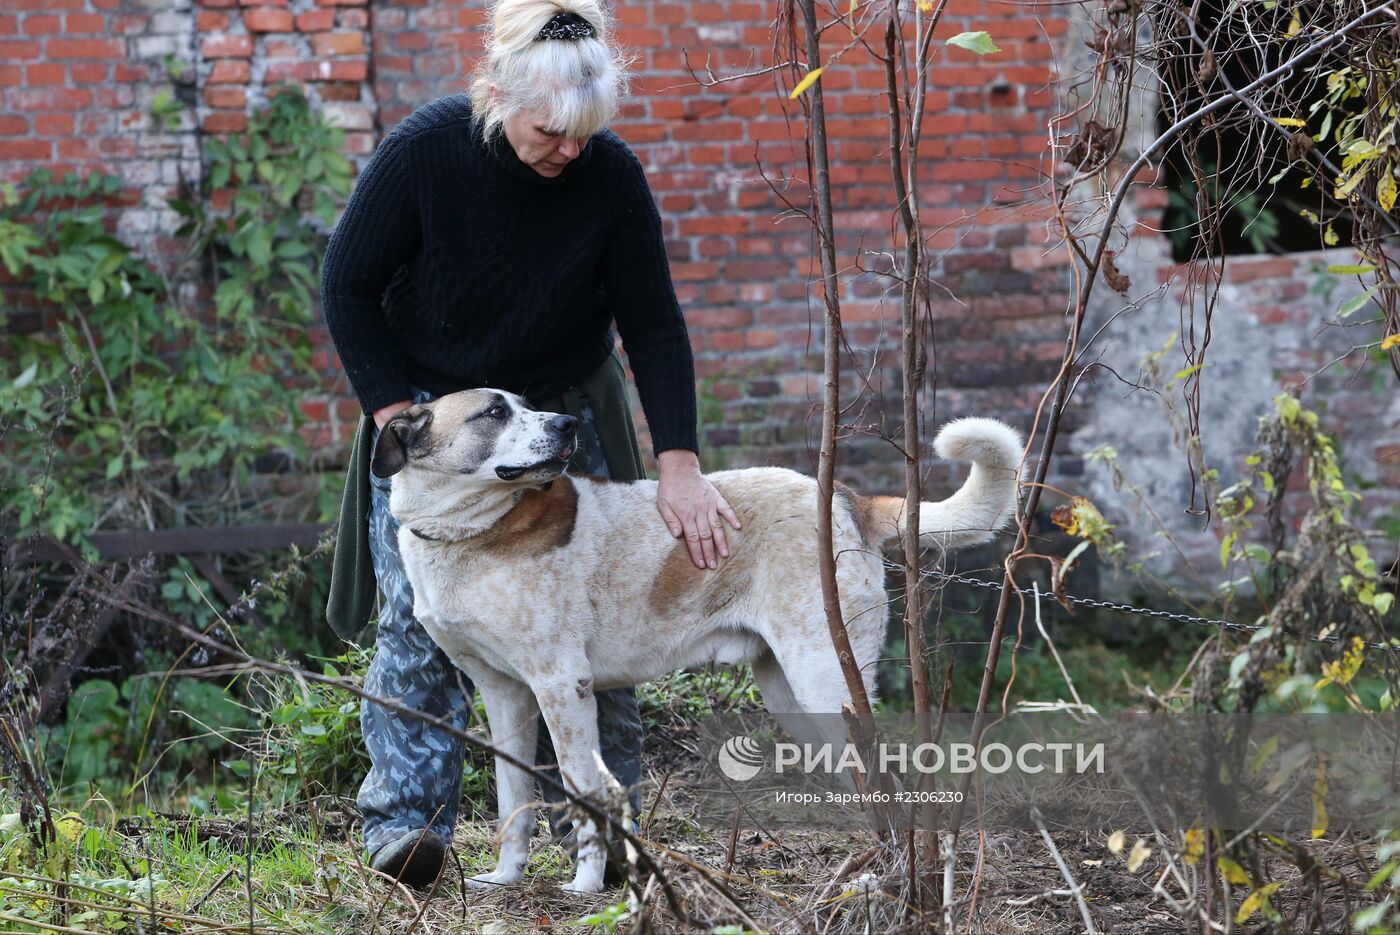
{"points": [[537, 146]]}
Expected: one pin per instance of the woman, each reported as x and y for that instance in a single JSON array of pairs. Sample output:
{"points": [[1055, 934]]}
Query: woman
{"points": [[493, 240]]}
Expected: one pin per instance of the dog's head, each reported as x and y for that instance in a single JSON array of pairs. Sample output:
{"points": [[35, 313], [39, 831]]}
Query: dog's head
{"points": [[488, 436]]}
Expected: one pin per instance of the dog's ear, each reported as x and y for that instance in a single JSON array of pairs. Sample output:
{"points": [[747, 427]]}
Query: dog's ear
{"points": [[399, 435]]}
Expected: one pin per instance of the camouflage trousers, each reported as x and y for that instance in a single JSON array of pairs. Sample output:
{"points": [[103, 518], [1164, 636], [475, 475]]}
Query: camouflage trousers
{"points": [[415, 777]]}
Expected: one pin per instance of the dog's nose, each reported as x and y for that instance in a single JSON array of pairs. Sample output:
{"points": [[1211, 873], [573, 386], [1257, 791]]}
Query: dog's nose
{"points": [[563, 424]]}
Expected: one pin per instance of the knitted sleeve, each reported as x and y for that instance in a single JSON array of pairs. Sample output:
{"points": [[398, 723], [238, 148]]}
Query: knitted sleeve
{"points": [[637, 278], [379, 232]]}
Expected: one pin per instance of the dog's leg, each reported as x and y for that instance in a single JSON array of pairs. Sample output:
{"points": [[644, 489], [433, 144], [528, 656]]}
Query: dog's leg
{"points": [[806, 676], [571, 713], [511, 713], [781, 702]]}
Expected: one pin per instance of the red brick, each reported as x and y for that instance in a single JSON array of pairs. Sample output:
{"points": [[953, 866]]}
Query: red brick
{"points": [[18, 49], [36, 24], [11, 125], [12, 74], [229, 72], [51, 98], [89, 73], [53, 124], [341, 2], [226, 122], [218, 3], [268, 19], [46, 73], [278, 47], [1250, 269], [289, 70], [210, 21], [340, 91], [25, 149], [343, 71], [338, 43], [9, 25], [225, 96], [228, 47], [315, 21], [85, 24], [86, 48]]}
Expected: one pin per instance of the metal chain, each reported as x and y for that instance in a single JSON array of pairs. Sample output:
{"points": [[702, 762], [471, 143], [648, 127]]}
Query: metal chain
{"points": [[1139, 611]]}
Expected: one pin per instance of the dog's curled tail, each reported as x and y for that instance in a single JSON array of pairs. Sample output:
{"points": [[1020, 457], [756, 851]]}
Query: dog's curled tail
{"points": [[982, 505]]}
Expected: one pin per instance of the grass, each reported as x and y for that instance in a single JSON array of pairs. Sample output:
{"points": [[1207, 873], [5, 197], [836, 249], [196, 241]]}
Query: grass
{"points": [[194, 863], [288, 875]]}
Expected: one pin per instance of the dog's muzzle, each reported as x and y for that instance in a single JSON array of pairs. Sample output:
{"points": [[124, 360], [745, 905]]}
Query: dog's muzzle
{"points": [[563, 429]]}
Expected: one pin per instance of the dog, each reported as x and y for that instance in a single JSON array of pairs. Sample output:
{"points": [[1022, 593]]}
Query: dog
{"points": [[545, 587]]}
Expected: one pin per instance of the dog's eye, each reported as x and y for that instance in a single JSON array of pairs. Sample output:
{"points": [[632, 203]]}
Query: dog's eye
{"points": [[498, 411]]}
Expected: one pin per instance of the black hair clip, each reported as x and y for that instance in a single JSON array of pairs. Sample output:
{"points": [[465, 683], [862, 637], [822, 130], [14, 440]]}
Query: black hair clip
{"points": [[567, 26]]}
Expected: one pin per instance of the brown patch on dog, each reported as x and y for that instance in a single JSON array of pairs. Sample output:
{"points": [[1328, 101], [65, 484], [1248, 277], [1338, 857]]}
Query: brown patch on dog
{"points": [[542, 520], [877, 519], [584, 688], [726, 589], [679, 579]]}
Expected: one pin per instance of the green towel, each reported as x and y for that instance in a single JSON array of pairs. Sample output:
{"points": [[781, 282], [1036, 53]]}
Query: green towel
{"points": [[352, 596]]}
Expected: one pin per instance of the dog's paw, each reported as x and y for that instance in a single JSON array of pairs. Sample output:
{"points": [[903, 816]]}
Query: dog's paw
{"points": [[580, 885], [498, 877]]}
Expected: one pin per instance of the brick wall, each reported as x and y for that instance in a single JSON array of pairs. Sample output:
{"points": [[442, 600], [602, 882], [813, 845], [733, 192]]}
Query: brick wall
{"points": [[84, 71], [78, 76]]}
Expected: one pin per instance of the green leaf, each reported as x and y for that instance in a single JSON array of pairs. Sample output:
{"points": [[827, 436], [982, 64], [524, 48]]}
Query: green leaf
{"points": [[1352, 306], [26, 377], [976, 42], [1350, 269]]}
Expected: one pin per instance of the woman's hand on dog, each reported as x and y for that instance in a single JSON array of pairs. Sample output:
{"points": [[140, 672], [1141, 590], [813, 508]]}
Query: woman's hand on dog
{"points": [[693, 508]]}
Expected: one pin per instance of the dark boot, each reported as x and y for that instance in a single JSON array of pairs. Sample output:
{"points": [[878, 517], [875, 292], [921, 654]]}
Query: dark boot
{"points": [[415, 858]]}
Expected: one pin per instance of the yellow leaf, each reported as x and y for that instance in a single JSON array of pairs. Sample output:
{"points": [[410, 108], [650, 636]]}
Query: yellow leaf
{"points": [[1254, 902], [1390, 342], [1344, 670], [1232, 872], [1195, 846], [1385, 190], [926, 6], [1295, 26], [1139, 854], [1290, 122], [1319, 798], [1116, 842], [807, 81], [69, 826]]}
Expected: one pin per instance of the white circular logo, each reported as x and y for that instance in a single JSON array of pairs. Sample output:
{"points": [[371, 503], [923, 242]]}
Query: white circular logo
{"points": [[740, 758]]}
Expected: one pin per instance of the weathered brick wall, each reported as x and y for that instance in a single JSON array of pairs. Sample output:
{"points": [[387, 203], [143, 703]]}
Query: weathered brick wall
{"points": [[84, 77], [725, 162]]}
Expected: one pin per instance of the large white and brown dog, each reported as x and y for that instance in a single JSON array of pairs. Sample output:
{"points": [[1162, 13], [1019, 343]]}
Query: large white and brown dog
{"points": [[545, 587]]}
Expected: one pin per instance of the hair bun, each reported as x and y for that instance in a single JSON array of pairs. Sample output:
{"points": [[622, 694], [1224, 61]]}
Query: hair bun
{"points": [[568, 26]]}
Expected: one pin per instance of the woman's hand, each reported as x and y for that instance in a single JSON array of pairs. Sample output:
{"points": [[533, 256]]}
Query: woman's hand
{"points": [[692, 507]]}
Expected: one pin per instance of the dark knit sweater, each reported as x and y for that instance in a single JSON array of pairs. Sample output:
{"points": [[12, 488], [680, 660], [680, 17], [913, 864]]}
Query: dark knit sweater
{"points": [[455, 265]]}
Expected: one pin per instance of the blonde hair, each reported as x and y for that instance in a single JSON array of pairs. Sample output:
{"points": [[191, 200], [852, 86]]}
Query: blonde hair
{"points": [[575, 84]]}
